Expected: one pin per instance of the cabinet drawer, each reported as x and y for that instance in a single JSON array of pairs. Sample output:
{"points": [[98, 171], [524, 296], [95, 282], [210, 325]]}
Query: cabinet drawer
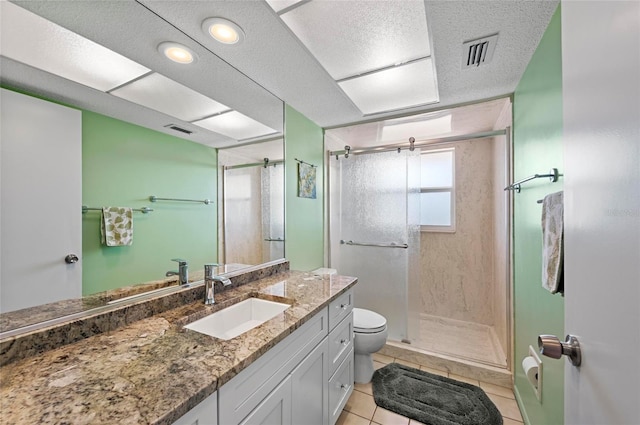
{"points": [[340, 308], [340, 343], [340, 388], [238, 397]]}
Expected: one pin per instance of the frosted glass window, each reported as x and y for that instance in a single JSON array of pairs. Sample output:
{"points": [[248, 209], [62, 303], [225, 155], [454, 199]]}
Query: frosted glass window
{"points": [[437, 169], [437, 191], [435, 208]]}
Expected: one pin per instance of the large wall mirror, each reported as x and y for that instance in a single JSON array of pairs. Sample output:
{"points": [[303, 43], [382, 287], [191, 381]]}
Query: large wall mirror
{"points": [[143, 126]]}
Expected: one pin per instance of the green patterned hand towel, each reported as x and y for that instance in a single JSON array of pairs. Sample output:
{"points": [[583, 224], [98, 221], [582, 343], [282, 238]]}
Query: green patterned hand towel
{"points": [[116, 226]]}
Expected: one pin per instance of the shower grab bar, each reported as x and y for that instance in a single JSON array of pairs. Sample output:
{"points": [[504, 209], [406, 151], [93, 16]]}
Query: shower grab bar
{"points": [[379, 245]]}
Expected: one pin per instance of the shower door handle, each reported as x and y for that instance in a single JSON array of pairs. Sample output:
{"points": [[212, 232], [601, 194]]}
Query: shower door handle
{"points": [[378, 245]]}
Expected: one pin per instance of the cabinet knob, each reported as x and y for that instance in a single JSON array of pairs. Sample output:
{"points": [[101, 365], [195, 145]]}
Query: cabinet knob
{"points": [[344, 341]]}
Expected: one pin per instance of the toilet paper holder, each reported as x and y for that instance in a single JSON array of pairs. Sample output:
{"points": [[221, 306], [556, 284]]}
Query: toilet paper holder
{"points": [[551, 346]]}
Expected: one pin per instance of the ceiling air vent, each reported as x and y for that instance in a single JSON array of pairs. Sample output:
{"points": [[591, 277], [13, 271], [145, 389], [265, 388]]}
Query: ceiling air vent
{"points": [[180, 129], [479, 51]]}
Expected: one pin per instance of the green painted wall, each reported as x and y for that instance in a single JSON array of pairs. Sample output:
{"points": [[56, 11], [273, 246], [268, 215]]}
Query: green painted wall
{"points": [[122, 165], [537, 128], [304, 217]]}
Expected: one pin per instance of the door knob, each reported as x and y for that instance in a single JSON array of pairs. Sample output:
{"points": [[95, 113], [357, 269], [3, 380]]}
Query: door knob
{"points": [[71, 258], [551, 346]]}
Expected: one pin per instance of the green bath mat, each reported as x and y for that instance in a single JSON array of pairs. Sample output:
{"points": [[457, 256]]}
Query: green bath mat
{"points": [[432, 399]]}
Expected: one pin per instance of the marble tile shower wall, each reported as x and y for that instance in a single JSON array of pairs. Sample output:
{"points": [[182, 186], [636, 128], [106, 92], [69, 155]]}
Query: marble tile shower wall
{"points": [[458, 268]]}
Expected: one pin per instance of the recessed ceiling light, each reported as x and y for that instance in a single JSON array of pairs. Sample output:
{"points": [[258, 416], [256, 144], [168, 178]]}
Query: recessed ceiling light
{"points": [[177, 52], [223, 30]]}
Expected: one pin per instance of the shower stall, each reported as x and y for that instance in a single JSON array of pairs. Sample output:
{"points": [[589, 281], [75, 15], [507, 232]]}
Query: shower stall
{"points": [[443, 292]]}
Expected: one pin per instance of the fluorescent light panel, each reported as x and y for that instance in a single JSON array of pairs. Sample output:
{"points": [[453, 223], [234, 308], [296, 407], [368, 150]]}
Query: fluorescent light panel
{"points": [[349, 38], [397, 131], [37, 42], [395, 88], [162, 94], [279, 5], [235, 125]]}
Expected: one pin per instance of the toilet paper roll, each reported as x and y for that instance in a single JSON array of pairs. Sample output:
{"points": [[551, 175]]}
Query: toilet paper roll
{"points": [[530, 367]]}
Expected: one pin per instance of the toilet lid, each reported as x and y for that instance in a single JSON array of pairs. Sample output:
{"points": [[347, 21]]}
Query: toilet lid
{"points": [[367, 321]]}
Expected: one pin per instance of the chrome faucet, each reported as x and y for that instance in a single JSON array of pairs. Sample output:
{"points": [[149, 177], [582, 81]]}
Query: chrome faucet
{"points": [[182, 273], [209, 283]]}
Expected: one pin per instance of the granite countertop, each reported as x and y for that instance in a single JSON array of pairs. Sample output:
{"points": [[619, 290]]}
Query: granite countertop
{"points": [[34, 315], [153, 371]]}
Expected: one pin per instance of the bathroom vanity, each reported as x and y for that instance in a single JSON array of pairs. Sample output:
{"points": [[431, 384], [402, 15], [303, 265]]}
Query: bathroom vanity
{"points": [[294, 368]]}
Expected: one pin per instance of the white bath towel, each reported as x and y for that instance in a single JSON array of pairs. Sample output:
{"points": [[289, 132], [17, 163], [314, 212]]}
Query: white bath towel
{"points": [[116, 226], [552, 242]]}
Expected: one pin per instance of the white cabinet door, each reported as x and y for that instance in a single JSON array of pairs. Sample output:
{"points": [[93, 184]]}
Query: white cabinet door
{"points": [[275, 409], [41, 200], [205, 413], [601, 102], [310, 392]]}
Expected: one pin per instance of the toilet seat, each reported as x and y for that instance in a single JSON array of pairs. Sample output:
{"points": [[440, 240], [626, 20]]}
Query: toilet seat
{"points": [[367, 321]]}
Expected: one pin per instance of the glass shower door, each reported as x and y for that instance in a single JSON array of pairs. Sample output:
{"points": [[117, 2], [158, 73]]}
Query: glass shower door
{"points": [[371, 235]]}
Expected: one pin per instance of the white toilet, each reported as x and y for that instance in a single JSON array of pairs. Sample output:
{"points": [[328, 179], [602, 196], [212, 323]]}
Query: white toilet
{"points": [[370, 329]]}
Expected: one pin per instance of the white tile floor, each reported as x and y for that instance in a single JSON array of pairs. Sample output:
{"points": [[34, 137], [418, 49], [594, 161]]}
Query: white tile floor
{"points": [[362, 410]]}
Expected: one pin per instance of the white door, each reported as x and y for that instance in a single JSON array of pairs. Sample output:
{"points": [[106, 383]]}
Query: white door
{"points": [[41, 201], [601, 101]]}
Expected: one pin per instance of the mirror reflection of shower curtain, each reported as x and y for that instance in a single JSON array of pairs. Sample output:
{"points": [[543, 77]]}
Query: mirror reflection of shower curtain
{"points": [[272, 212], [254, 214], [243, 215], [374, 198]]}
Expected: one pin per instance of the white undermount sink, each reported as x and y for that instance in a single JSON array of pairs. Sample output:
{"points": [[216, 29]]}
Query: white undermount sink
{"points": [[238, 318]]}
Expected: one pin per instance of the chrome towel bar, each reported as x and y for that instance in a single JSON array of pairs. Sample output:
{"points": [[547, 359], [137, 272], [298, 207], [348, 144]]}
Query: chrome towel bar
{"points": [[552, 175], [153, 198], [143, 210], [379, 245]]}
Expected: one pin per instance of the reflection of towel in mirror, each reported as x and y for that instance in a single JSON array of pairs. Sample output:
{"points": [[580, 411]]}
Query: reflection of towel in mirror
{"points": [[552, 242], [116, 226]]}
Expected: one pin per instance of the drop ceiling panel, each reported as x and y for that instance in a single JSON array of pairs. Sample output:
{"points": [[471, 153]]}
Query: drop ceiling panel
{"points": [[134, 31], [18, 75], [394, 88], [235, 125], [279, 5], [37, 42], [401, 130], [162, 94], [352, 37]]}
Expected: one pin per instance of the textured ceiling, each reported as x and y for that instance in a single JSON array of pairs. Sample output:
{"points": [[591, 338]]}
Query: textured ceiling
{"points": [[272, 64]]}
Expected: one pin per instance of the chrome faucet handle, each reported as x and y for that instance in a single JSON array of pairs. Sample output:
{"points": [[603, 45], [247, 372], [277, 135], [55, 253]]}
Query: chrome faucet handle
{"points": [[209, 290], [208, 270], [183, 271]]}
